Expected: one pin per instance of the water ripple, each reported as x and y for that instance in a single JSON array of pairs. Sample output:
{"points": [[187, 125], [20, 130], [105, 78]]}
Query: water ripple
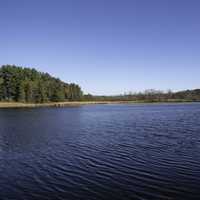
{"points": [[101, 152]]}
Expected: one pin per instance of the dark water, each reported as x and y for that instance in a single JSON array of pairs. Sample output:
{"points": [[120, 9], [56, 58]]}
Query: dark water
{"points": [[101, 152]]}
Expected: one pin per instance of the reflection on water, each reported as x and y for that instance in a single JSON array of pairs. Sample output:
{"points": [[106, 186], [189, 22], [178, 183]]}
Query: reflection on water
{"points": [[101, 152]]}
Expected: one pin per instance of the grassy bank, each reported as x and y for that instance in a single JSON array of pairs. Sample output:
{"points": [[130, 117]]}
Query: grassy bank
{"points": [[78, 103], [56, 104]]}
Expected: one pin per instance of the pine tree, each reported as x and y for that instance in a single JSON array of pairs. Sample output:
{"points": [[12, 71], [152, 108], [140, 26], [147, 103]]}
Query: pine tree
{"points": [[21, 93], [29, 85]]}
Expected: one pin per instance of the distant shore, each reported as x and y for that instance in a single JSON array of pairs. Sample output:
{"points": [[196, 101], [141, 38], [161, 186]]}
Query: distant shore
{"points": [[80, 103], [50, 104]]}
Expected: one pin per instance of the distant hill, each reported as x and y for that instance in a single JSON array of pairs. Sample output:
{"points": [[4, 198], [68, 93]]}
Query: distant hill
{"points": [[30, 86]]}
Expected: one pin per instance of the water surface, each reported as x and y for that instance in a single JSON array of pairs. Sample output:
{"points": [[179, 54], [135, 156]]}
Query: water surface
{"points": [[123, 152]]}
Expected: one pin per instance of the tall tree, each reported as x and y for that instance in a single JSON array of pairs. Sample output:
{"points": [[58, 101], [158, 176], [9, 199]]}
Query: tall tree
{"points": [[29, 85]]}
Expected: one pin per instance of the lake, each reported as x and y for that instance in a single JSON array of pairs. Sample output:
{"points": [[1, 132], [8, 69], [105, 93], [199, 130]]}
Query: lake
{"points": [[120, 152]]}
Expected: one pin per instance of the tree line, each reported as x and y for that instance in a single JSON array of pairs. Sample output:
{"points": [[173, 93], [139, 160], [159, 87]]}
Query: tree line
{"points": [[151, 95], [30, 86]]}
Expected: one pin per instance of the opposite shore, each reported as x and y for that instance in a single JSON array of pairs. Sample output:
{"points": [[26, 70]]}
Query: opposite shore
{"points": [[40, 89], [80, 103]]}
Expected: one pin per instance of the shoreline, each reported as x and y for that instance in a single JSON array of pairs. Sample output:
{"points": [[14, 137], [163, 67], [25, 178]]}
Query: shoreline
{"points": [[81, 103]]}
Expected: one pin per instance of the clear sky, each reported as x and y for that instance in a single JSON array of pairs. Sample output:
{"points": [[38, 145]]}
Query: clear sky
{"points": [[106, 46]]}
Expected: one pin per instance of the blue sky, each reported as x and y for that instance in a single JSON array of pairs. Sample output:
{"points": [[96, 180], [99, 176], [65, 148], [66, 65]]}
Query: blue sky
{"points": [[106, 46]]}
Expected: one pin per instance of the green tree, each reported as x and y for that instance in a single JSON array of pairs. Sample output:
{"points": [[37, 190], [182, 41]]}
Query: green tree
{"points": [[21, 93], [29, 85]]}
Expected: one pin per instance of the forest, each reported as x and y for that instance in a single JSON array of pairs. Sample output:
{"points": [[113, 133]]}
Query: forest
{"points": [[27, 85]]}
